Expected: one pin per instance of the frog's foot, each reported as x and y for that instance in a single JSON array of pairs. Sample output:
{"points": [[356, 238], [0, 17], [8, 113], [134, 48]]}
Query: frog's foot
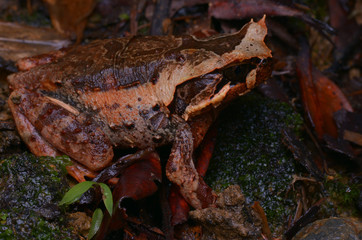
{"points": [[180, 170], [78, 172], [62, 127], [28, 63]]}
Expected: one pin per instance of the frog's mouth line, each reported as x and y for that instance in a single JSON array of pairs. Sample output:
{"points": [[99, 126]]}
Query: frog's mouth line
{"points": [[209, 91], [237, 73]]}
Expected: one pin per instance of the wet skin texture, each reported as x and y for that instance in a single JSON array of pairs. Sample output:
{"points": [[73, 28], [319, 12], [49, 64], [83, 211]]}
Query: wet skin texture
{"points": [[135, 92]]}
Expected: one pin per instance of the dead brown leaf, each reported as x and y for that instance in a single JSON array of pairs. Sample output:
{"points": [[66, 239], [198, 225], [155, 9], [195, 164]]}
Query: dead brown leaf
{"points": [[69, 17], [18, 41], [321, 97]]}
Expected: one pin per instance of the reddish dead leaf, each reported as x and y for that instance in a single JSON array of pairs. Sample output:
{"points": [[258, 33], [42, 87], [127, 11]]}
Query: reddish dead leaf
{"points": [[179, 207], [257, 8], [69, 17], [136, 182], [264, 221], [206, 150], [331, 99], [321, 97]]}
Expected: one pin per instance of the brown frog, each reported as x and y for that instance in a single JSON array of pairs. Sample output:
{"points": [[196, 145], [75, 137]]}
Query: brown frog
{"points": [[135, 92]]}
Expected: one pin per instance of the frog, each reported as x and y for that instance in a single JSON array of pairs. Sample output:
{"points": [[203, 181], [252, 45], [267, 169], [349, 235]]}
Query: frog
{"points": [[136, 92]]}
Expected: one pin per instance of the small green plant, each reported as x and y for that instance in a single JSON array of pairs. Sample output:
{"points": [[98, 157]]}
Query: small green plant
{"points": [[75, 193], [123, 17]]}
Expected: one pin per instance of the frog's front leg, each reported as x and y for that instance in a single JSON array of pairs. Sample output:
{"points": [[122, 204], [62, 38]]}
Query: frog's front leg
{"points": [[62, 127], [180, 169]]}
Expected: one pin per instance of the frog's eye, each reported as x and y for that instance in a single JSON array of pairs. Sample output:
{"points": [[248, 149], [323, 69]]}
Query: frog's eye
{"points": [[156, 107]]}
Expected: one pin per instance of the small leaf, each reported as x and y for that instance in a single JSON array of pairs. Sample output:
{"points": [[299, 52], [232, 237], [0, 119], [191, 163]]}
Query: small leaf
{"points": [[123, 16], [107, 197], [96, 223], [76, 192]]}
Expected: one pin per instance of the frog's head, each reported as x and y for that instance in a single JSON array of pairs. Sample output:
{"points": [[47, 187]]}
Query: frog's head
{"points": [[223, 68]]}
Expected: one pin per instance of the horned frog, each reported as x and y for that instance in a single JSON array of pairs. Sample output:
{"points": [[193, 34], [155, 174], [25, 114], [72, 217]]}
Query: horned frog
{"points": [[135, 92]]}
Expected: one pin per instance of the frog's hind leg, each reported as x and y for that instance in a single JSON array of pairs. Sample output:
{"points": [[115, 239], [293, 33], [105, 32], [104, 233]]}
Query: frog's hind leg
{"points": [[36, 144], [64, 128], [180, 169]]}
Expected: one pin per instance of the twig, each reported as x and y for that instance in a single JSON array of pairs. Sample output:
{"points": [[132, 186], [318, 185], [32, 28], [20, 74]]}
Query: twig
{"points": [[159, 15]]}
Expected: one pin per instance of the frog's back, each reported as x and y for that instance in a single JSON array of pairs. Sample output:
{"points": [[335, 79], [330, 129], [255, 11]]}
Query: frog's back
{"points": [[127, 62], [127, 84], [100, 65]]}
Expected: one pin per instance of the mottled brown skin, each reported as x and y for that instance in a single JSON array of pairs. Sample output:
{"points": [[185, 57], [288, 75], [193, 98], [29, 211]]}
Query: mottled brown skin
{"points": [[135, 92]]}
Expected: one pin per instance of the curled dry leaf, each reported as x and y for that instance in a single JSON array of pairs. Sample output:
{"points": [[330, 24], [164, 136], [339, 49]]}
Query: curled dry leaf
{"points": [[18, 41], [331, 100], [178, 205], [264, 221], [136, 182], [321, 97], [69, 17]]}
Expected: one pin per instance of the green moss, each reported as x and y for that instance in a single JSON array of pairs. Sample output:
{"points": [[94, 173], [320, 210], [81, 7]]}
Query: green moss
{"points": [[343, 193], [249, 152], [30, 189]]}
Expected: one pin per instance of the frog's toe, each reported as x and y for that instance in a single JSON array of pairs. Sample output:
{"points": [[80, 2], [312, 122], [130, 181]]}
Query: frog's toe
{"points": [[78, 172]]}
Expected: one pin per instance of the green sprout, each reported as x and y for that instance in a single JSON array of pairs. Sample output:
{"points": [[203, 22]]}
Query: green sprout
{"points": [[76, 192]]}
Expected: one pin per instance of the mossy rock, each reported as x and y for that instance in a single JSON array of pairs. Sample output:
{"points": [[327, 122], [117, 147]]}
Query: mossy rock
{"points": [[30, 189], [249, 152]]}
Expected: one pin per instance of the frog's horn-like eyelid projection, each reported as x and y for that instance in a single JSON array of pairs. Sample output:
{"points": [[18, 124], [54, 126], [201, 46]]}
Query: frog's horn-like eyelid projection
{"points": [[217, 36]]}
